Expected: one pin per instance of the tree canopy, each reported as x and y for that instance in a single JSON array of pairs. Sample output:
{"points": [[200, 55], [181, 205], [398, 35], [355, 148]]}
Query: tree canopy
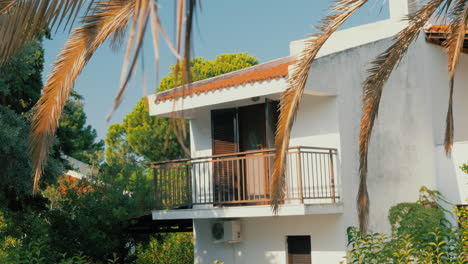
{"points": [[202, 68], [21, 80], [151, 138], [75, 138], [20, 89]]}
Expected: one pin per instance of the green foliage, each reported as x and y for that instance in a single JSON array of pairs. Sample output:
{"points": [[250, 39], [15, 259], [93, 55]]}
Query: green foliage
{"points": [[421, 218], [20, 88], [19, 246], [92, 222], [202, 68], [141, 138], [464, 167], [170, 248], [421, 233], [21, 80], [75, 138], [444, 248], [15, 175]]}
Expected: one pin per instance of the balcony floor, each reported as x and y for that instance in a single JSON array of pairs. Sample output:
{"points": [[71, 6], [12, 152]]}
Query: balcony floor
{"points": [[207, 212]]}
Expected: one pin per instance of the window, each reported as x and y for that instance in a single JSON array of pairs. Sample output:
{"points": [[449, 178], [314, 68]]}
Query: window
{"points": [[299, 250]]}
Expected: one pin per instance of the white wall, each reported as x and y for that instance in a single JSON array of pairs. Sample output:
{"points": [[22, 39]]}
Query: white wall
{"points": [[200, 133], [405, 151], [264, 240], [316, 123], [401, 155], [451, 180]]}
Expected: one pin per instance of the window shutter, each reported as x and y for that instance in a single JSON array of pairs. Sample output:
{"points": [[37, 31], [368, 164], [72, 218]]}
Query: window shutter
{"points": [[299, 250], [224, 141], [223, 125]]}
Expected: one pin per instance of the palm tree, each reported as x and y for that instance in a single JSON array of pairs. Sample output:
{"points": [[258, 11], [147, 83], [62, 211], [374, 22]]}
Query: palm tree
{"points": [[101, 20], [380, 70], [110, 19]]}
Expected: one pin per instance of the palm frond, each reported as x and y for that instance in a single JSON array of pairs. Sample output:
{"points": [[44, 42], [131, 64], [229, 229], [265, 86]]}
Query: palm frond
{"points": [[454, 45], [23, 20], [155, 32], [341, 11], [380, 71], [6, 4], [108, 17], [141, 15]]}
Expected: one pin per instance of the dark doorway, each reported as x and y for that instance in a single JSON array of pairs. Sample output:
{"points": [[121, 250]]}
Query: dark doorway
{"points": [[242, 176], [252, 127], [299, 250], [224, 141]]}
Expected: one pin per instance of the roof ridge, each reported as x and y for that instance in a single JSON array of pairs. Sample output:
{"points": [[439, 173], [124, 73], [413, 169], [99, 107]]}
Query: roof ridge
{"points": [[261, 66], [265, 71]]}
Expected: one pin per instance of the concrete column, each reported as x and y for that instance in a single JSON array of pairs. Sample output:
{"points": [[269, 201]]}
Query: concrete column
{"points": [[400, 9]]}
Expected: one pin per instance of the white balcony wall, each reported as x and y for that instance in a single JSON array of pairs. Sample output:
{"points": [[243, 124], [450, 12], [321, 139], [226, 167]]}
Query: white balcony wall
{"points": [[264, 240]]}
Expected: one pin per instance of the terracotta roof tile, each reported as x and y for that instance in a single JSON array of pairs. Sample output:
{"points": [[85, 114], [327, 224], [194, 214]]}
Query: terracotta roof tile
{"points": [[263, 72], [437, 29], [437, 34]]}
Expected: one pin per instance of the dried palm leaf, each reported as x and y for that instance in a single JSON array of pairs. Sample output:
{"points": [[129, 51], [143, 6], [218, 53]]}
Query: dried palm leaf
{"points": [[6, 4], [454, 45], [155, 32], [380, 71], [108, 17], [342, 10], [180, 22], [141, 15], [143, 10], [23, 20], [178, 127]]}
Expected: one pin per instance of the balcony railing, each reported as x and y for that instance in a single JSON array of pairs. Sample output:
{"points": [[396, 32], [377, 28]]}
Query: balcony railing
{"points": [[244, 179]]}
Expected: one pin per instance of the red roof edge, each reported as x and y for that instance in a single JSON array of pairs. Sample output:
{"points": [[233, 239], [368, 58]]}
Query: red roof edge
{"points": [[265, 71]]}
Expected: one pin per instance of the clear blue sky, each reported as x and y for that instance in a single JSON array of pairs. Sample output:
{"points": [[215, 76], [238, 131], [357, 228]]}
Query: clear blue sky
{"points": [[262, 28]]}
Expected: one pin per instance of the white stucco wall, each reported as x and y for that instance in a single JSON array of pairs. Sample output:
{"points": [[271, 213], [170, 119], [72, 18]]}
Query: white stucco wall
{"points": [[264, 240], [406, 150], [200, 133], [316, 123], [401, 156], [451, 180]]}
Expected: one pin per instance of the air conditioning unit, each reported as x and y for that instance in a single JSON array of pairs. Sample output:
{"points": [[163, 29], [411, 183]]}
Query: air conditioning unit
{"points": [[226, 231]]}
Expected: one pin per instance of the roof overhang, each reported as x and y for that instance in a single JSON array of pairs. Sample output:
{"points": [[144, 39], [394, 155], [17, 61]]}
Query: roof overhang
{"points": [[187, 106], [437, 34], [260, 80], [146, 225]]}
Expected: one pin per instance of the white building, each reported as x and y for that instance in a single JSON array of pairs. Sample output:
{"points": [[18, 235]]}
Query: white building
{"points": [[224, 187]]}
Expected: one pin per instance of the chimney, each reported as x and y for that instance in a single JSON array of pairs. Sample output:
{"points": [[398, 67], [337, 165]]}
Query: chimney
{"points": [[400, 9]]}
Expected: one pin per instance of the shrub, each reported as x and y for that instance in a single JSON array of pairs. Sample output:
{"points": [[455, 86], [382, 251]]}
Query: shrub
{"points": [[170, 248], [421, 233]]}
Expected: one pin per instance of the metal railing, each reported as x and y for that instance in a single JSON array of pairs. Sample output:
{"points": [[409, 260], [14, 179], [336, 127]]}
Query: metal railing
{"points": [[244, 179]]}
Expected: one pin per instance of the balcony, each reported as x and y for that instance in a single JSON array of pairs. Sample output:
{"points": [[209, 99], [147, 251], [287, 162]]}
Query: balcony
{"points": [[242, 179]]}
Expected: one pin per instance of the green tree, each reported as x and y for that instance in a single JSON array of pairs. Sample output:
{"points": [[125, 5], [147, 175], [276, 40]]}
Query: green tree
{"points": [[75, 138], [142, 138], [20, 86], [202, 68], [150, 138], [21, 80], [93, 222]]}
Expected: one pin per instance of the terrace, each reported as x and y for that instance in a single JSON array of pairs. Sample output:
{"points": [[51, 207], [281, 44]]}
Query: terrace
{"points": [[243, 179]]}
